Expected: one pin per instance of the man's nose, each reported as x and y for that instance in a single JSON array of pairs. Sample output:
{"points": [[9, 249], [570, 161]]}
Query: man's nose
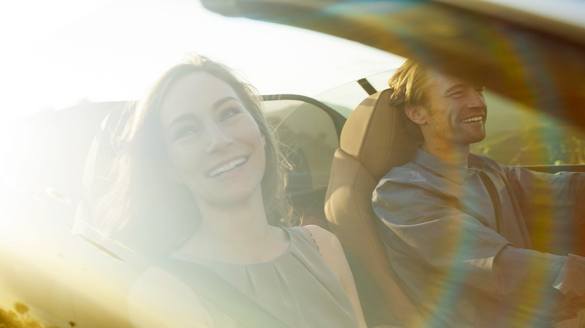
{"points": [[476, 99], [217, 138]]}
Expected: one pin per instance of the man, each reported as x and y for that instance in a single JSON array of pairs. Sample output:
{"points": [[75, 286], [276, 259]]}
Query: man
{"points": [[457, 225]]}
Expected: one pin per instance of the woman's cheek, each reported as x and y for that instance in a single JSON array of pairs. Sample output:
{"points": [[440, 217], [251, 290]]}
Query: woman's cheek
{"points": [[185, 160]]}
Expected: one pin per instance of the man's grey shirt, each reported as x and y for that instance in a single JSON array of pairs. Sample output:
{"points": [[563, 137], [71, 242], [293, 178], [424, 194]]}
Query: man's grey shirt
{"points": [[442, 235]]}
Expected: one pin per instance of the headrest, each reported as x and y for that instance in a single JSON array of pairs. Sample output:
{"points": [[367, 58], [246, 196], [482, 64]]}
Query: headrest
{"points": [[375, 134]]}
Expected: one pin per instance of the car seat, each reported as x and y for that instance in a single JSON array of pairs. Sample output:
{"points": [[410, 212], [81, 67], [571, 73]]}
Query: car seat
{"points": [[373, 140]]}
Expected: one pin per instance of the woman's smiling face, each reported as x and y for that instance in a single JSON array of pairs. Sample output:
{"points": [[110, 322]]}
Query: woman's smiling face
{"points": [[214, 144]]}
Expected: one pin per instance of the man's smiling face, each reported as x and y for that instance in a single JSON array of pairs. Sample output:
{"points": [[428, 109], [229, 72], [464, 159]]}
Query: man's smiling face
{"points": [[455, 112]]}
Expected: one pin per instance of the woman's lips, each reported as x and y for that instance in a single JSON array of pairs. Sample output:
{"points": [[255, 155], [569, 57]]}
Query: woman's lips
{"points": [[227, 166]]}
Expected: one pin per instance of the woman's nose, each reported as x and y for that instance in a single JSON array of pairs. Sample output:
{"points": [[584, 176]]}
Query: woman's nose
{"points": [[217, 138]]}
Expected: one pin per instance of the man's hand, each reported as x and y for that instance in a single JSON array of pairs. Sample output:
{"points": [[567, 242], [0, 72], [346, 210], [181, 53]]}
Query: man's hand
{"points": [[569, 307], [571, 285], [571, 279]]}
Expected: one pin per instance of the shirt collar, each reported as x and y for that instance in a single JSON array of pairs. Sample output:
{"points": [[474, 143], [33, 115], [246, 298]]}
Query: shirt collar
{"points": [[452, 172]]}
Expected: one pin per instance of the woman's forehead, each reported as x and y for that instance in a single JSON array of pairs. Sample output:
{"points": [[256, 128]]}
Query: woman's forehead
{"points": [[198, 87], [195, 93]]}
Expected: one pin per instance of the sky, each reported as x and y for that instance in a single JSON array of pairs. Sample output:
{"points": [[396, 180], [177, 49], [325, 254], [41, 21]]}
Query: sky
{"points": [[57, 53]]}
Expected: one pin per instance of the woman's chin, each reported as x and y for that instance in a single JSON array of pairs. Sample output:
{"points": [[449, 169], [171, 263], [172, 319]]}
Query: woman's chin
{"points": [[231, 197]]}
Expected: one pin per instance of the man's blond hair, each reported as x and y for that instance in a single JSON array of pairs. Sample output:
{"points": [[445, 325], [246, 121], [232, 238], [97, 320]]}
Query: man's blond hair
{"points": [[408, 86]]}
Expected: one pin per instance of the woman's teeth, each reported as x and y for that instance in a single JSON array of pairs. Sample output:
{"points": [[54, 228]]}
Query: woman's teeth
{"points": [[227, 167]]}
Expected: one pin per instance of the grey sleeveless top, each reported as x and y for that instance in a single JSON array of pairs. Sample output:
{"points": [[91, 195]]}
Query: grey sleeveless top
{"points": [[297, 287]]}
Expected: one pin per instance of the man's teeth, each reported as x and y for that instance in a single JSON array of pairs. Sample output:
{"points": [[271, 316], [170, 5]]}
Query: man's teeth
{"points": [[227, 167], [473, 119]]}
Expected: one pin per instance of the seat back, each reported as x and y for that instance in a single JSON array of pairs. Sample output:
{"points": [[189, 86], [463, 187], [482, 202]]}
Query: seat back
{"points": [[373, 140]]}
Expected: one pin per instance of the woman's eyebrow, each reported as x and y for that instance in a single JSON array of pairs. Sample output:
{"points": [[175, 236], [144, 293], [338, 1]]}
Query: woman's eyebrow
{"points": [[222, 101], [182, 118], [190, 117]]}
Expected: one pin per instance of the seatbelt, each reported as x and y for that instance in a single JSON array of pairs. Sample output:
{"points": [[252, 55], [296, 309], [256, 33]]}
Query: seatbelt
{"points": [[209, 286], [493, 192]]}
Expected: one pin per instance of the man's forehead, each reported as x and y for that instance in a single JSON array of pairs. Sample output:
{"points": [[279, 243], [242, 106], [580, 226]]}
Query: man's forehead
{"points": [[443, 81]]}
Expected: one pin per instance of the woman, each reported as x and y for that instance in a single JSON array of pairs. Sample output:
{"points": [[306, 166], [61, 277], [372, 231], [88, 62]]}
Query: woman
{"points": [[201, 133]]}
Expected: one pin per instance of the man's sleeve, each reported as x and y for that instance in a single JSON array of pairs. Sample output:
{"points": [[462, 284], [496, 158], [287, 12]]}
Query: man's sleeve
{"points": [[439, 236], [553, 206], [455, 243]]}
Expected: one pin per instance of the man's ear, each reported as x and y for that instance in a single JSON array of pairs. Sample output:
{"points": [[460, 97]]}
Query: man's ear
{"points": [[416, 114]]}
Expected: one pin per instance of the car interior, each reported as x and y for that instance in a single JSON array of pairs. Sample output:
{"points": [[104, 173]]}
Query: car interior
{"points": [[335, 165], [336, 162]]}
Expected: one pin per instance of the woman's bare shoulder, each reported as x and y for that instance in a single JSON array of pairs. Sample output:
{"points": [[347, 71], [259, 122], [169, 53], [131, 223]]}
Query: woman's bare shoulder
{"points": [[333, 255], [324, 237]]}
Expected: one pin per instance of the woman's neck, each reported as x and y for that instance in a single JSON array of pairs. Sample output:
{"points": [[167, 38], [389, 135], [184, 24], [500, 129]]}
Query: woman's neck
{"points": [[241, 222], [238, 233]]}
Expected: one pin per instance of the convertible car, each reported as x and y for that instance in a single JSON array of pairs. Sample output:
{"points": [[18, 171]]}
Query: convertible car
{"points": [[57, 269]]}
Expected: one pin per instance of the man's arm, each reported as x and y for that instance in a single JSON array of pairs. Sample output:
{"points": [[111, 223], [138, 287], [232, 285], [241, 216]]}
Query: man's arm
{"points": [[451, 241], [553, 206]]}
